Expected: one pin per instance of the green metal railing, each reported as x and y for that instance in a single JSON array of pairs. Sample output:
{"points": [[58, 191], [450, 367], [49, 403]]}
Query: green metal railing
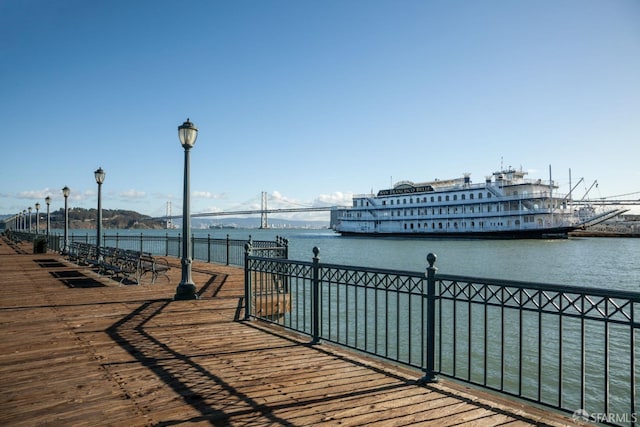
{"points": [[566, 347], [222, 251]]}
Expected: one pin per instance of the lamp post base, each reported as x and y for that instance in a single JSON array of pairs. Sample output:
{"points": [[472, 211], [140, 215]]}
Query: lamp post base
{"points": [[185, 291]]}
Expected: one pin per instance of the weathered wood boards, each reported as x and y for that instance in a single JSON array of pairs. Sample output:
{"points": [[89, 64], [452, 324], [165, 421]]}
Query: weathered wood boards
{"points": [[129, 355]]}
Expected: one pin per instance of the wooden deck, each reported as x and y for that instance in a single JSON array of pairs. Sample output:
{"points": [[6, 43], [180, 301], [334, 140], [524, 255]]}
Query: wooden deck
{"points": [[78, 349]]}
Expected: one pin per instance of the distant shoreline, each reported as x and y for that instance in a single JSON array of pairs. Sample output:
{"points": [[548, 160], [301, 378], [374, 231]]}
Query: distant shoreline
{"points": [[593, 233]]}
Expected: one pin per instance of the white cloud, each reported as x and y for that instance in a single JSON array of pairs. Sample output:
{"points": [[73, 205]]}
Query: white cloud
{"points": [[132, 194], [206, 195], [38, 194], [335, 199]]}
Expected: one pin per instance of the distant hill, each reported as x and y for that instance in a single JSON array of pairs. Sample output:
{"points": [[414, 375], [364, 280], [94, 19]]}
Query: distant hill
{"points": [[80, 218]]}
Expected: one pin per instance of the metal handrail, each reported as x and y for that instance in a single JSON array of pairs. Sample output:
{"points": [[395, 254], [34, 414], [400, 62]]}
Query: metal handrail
{"points": [[566, 347]]}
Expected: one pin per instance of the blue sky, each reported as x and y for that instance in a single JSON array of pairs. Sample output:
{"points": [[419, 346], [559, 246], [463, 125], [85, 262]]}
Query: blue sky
{"points": [[311, 101]]}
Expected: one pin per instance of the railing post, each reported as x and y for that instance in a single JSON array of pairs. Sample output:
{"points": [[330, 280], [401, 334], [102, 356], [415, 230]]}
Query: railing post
{"points": [[193, 246], [140, 242], [315, 297], [208, 247], [430, 373], [166, 244], [285, 277], [117, 240], [228, 247], [179, 245], [247, 281]]}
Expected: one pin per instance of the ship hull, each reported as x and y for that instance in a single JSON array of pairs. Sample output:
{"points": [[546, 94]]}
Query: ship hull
{"points": [[553, 233]]}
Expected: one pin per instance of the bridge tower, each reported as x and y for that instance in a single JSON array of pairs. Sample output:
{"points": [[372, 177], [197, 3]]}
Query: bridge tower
{"points": [[263, 211], [169, 220]]}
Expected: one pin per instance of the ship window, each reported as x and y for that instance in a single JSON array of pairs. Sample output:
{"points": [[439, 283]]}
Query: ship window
{"points": [[432, 198], [405, 226], [384, 202], [440, 225], [488, 195], [463, 197], [412, 226], [455, 197], [473, 224], [439, 198], [479, 195], [411, 200], [447, 198], [471, 196], [404, 201]]}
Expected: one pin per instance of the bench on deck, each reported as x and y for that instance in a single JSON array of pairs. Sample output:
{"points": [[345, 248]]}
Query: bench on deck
{"points": [[122, 263], [155, 266], [79, 252]]}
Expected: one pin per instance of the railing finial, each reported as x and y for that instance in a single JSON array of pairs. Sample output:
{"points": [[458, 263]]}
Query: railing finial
{"points": [[431, 259], [316, 252]]}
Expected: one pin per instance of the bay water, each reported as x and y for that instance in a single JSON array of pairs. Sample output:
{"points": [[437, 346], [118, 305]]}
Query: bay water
{"points": [[600, 262]]}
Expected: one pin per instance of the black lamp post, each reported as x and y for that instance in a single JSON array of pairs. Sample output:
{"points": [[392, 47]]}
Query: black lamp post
{"points": [[186, 289], [37, 218], [99, 174], [47, 200], [65, 193]]}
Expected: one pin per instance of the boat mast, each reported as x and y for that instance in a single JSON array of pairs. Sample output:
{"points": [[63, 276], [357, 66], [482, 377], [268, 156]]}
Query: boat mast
{"points": [[570, 191]]}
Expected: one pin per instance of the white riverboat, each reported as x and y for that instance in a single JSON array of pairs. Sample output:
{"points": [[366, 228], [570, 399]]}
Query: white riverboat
{"points": [[506, 205]]}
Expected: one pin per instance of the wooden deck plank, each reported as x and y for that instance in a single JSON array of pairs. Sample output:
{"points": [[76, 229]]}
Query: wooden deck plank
{"points": [[128, 355]]}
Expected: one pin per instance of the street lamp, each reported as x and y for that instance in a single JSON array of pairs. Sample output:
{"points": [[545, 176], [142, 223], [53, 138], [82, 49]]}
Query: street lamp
{"points": [[24, 220], [186, 289], [65, 193], [29, 209], [47, 200], [37, 218], [99, 174]]}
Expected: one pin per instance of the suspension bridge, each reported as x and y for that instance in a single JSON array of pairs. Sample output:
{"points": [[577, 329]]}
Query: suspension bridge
{"points": [[264, 211]]}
